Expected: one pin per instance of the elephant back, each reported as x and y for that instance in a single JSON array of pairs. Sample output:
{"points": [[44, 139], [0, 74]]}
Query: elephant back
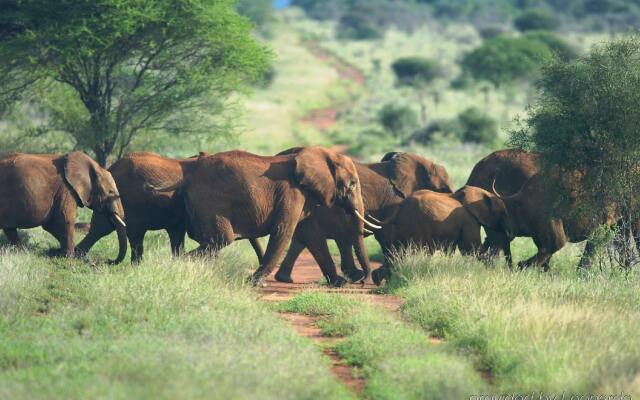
{"points": [[510, 169]]}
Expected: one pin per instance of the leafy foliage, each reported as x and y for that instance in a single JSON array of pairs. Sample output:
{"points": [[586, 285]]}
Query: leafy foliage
{"points": [[397, 120], [477, 127], [533, 20], [415, 71], [504, 60], [357, 26], [585, 126], [109, 70]]}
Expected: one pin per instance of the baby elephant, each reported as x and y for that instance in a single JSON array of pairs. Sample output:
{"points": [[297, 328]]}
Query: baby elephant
{"points": [[45, 190], [445, 221]]}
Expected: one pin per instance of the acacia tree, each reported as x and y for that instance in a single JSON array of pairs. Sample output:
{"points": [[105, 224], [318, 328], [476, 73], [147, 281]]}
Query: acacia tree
{"points": [[586, 125], [111, 69]]}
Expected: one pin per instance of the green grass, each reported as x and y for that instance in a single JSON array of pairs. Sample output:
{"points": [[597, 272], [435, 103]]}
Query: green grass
{"points": [[555, 332], [161, 329], [396, 358]]}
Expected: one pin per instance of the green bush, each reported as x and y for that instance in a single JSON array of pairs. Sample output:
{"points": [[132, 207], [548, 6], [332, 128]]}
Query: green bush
{"points": [[477, 127], [503, 60], [397, 120], [534, 20], [357, 26], [414, 71], [443, 127], [586, 119]]}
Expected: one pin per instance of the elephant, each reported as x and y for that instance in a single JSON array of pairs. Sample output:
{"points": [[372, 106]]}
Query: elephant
{"points": [[147, 209], [510, 170], [433, 221], [384, 184], [45, 190], [237, 194], [530, 216]]}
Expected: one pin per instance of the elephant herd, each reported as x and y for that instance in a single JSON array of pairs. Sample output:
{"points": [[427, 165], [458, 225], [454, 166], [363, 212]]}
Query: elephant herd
{"points": [[299, 198]]}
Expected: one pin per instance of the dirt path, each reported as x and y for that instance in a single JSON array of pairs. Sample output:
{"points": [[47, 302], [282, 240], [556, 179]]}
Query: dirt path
{"points": [[324, 119], [307, 277]]}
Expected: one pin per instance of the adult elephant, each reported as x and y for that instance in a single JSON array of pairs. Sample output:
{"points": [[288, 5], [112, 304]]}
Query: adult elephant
{"points": [[510, 170], [384, 184], [433, 221], [145, 209], [45, 190], [530, 217], [236, 194]]}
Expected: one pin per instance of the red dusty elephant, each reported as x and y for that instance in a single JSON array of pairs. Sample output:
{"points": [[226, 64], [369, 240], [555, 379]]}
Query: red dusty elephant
{"points": [[45, 190], [239, 195]]}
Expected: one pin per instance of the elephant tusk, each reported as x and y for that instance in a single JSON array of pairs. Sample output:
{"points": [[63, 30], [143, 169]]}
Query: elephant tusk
{"points": [[119, 220], [377, 221], [367, 223], [368, 232]]}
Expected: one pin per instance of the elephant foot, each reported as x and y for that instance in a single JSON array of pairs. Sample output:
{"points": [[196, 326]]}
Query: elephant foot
{"points": [[283, 278], [337, 281], [356, 276], [379, 275], [258, 281], [56, 253]]}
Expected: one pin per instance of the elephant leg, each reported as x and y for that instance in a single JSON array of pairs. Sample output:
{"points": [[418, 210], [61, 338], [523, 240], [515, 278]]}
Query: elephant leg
{"points": [[176, 238], [347, 263], [257, 247], [12, 235], [286, 266], [587, 255], [136, 238], [320, 252], [542, 258], [471, 242], [63, 231], [286, 221], [99, 228], [213, 237]]}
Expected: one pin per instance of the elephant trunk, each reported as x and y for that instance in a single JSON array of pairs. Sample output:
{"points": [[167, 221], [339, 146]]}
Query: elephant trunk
{"points": [[121, 230], [363, 257]]}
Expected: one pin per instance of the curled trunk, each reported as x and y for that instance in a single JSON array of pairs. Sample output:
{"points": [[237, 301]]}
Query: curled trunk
{"points": [[122, 244]]}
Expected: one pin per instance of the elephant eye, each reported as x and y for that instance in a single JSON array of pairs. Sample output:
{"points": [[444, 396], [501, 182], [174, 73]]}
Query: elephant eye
{"points": [[352, 185]]}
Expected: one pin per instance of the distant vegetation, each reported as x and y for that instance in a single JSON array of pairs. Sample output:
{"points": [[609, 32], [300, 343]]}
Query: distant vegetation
{"points": [[504, 59], [611, 15]]}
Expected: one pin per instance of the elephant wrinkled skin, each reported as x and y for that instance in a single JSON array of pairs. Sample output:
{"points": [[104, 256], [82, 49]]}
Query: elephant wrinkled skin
{"points": [[384, 184], [236, 195], [45, 190], [443, 221], [146, 209]]}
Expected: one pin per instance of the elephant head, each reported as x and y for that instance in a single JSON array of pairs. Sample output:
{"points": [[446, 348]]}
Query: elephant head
{"points": [[332, 179], [410, 172], [487, 208], [95, 188]]}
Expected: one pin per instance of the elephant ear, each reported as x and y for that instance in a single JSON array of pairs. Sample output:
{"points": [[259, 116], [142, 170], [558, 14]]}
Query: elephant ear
{"points": [[79, 170], [482, 205], [315, 172], [410, 172]]}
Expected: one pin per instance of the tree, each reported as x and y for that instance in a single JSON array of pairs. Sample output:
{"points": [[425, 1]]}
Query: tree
{"points": [[504, 60], [533, 20], [585, 125], [417, 73], [397, 120], [258, 11], [116, 68]]}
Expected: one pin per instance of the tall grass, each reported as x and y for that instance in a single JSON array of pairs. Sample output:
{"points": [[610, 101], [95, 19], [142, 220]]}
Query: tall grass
{"points": [[556, 332], [397, 359], [163, 329]]}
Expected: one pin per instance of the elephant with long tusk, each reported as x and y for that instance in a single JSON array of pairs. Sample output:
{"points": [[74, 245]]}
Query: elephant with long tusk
{"points": [[45, 190], [384, 184]]}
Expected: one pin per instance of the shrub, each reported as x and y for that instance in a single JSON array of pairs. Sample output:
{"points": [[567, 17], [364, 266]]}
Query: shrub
{"points": [[397, 120], [503, 60], [491, 32], [415, 71], [357, 26], [534, 20], [443, 127], [586, 119], [477, 127]]}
